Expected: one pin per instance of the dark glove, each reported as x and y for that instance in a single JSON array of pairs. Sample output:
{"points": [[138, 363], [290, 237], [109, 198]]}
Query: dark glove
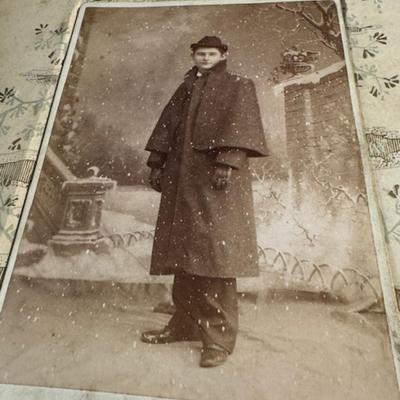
{"points": [[221, 176], [155, 179], [156, 159]]}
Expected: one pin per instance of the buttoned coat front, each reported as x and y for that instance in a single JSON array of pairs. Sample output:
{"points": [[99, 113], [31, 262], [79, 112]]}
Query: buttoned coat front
{"points": [[201, 230]]}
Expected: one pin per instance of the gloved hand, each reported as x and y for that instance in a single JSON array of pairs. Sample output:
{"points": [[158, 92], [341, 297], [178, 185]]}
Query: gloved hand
{"points": [[155, 179], [221, 176]]}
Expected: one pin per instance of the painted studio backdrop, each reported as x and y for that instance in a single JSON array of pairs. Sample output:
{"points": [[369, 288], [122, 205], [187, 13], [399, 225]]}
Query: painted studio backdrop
{"points": [[309, 194], [92, 221]]}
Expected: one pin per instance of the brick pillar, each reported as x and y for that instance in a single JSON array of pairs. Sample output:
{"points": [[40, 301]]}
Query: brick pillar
{"points": [[321, 136]]}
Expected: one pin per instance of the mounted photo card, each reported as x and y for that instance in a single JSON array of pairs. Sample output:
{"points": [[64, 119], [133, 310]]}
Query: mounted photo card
{"points": [[201, 222]]}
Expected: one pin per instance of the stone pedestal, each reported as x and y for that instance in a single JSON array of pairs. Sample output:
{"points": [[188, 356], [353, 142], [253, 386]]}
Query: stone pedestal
{"points": [[80, 222]]}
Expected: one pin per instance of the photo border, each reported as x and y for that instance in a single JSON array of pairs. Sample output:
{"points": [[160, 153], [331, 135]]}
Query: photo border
{"points": [[381, 248]]}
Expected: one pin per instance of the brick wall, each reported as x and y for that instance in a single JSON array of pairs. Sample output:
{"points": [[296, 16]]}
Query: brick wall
{"points": [[321, 137], [326, 190]]}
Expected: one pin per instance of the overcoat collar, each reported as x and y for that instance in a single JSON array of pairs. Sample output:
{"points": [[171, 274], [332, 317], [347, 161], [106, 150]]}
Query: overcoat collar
{"points": [[215, 72]]}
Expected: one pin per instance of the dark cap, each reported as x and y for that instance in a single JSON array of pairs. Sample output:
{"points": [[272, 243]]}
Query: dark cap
{"points": [[209, 41]]}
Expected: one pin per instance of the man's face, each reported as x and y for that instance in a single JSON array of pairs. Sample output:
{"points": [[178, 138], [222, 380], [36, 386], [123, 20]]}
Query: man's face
{"points": [[206, 57]]}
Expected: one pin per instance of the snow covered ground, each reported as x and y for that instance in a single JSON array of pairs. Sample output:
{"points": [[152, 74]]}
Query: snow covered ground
{"points": [[75, 322], [313, 236], [289, 348]]}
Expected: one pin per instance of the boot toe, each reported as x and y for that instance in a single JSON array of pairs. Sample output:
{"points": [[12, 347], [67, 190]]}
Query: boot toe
{"points": [[212, 357]]}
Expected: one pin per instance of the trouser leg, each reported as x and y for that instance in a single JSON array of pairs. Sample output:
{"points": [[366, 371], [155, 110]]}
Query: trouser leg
{"points": [[217, 308], [206, 306], [183, 322]]}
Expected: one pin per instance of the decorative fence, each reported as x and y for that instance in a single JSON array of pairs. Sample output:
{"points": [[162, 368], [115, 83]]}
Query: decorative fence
{"points": [[322, 277], [325, 277]]}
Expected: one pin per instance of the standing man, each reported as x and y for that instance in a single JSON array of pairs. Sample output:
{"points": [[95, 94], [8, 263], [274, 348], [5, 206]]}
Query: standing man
{"points": [[205, 233]]}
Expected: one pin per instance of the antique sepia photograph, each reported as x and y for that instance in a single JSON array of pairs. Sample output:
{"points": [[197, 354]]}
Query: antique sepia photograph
{"points": [[200, 226]]}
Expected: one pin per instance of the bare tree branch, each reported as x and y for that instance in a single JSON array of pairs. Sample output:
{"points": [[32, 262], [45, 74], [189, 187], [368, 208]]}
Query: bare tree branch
{"points": [[328, 44], [326, 9], [289, 9], [320, 7], [326, 27], [312, 21]]}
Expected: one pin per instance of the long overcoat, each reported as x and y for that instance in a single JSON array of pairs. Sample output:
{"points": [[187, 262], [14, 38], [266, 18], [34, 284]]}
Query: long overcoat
{"points": [[202, 230]]}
